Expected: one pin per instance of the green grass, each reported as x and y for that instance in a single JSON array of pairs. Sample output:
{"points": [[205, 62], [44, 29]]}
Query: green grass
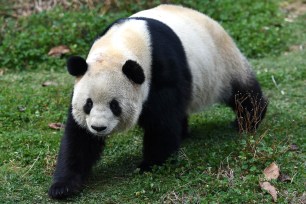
{"points": [[258, 31], [215, 165]]}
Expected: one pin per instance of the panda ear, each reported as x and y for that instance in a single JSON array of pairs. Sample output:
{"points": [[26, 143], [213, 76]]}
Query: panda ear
{"points": [[133, 71], [76, 66]]}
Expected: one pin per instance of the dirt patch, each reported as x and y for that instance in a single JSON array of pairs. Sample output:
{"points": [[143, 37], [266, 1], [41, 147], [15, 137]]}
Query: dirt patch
{"points": [[293, 9]]}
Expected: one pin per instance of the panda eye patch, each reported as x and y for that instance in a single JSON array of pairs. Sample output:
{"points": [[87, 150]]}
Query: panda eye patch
{"points": [[115, 107], [88, 106]]}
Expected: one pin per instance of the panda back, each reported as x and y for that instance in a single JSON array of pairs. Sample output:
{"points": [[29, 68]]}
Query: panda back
{"points": [[212, 56]]}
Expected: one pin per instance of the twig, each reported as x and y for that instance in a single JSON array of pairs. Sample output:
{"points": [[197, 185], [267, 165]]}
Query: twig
{"points": [[293, 177], [276, 85], [32, 165]]}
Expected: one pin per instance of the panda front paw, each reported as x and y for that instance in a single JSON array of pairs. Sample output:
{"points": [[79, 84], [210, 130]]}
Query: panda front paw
{"points": [[144, 167], [62, 190]]}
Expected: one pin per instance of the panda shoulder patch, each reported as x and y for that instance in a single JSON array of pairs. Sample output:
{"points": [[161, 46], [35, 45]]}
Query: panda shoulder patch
{"points": [[133, 71]]}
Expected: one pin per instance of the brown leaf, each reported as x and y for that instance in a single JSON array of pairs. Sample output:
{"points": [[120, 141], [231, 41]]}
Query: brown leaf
{"points": [[271, 172], [49, 83], [284, 178], [59, 50], [56, 126], [271, 189]]}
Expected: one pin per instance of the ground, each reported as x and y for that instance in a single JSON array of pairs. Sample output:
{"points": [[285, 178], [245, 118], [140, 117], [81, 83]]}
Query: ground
{"points": [[215, 165]]}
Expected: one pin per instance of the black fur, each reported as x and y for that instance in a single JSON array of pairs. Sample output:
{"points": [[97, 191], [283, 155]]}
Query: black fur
{"points": [[115, 107], [76, 66], [88, 106], [163, 118], [133, 71], [117, 22], [164, 114], [79, 151], [248, 103], [185, 129]]}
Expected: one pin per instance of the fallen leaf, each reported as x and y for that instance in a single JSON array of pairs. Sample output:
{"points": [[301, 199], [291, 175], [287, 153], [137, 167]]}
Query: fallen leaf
{"points": [[271, 189], [49, 83], [59, 50], [271, 172], [293, 147], [56, 126], [284, 178]]}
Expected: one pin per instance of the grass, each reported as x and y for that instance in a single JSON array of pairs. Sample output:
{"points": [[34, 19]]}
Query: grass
{"points": [[215, 165], [258, 32]]}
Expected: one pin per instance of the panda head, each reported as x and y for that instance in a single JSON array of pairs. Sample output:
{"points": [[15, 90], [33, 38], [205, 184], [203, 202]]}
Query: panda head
{"points": [[108, 99]]}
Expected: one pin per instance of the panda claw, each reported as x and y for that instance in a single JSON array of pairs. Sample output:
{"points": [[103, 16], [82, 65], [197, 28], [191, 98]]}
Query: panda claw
{"points": [[62, 190]]}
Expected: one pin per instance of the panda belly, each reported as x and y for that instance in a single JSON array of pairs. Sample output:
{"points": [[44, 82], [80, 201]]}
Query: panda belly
{"points": [[209, 77]]}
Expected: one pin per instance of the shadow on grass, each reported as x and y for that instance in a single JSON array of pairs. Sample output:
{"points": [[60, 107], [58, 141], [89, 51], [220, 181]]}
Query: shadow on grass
{"points": [[209, 142], [220, 130]]}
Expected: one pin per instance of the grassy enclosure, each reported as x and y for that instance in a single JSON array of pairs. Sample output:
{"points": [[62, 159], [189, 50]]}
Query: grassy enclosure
{"points": [[215, 165]]}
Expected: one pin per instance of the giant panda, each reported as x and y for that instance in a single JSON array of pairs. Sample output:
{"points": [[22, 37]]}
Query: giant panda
{"points": [[153, 69]]}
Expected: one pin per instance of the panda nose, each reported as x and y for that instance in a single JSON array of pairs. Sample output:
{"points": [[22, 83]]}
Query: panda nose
{"points": [[98, 129]]}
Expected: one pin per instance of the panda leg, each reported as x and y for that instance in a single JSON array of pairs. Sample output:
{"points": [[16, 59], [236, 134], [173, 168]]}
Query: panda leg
{"points": [[159, 144], [78, 153], [249, 104], [185, 129], [164, 128]]}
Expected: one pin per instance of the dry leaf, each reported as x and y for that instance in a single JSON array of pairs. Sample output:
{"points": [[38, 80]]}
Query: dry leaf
{"points": [[59, 50], [283, 177], [271, 172], [49, 83], [56, 126], [271, 189]]}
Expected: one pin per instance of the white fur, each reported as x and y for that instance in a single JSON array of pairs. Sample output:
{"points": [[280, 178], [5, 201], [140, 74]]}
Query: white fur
{"points": [[105, 80], [212, 56]]}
